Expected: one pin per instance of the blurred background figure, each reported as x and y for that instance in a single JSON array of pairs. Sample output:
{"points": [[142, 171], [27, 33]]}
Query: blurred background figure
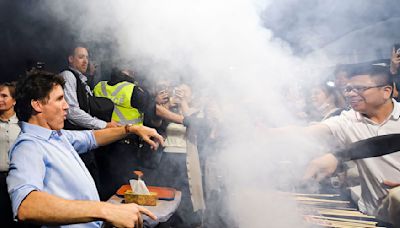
{"points": [[32, 66], [326, 102], [341, 78], [394, 69], [9, 131]]}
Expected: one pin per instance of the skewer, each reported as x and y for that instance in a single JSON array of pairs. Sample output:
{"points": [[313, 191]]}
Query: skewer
{"points": [[300, 198], [335, 211], [336, 224], [359, 222], [314, 205], [311, 194], [345, 213]]}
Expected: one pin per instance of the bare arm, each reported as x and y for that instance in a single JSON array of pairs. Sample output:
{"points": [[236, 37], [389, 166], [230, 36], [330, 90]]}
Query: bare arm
{"points": [[324, 165], [318, 131], [109, 135], [166, 114], [44, 208]]}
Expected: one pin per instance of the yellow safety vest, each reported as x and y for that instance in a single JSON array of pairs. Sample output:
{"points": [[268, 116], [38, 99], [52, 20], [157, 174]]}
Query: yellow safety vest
{"points": [[121, 95]]}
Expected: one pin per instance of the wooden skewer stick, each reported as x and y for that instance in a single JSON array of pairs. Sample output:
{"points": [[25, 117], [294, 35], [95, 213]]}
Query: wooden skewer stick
{"points": [[338, 224], [322, 206], [311, 194], [344, 213], [300, 198], [344, 220], [339, 212]]}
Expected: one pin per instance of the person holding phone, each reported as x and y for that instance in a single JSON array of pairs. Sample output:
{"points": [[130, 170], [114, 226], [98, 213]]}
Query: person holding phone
{"points": [[394, 67]]}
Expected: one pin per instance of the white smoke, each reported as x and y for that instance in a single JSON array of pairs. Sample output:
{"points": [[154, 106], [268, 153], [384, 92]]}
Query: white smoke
{"points": [[225, 48]]}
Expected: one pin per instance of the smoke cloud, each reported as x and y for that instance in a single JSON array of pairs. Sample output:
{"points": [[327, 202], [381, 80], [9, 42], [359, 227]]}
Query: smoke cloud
{"points": [[230, 55]]}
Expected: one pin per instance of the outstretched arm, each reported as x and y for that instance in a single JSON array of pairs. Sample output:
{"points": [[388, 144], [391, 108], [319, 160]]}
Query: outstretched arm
{"points": [[44, 208], [371, 147], [109, 135]]}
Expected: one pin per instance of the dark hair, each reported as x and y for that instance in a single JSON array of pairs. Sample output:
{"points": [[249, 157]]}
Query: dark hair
{"points": [[10, 86], [380, 73], [331, 91], [71, 50], [34, 87], [341, 68], [117, 75]]}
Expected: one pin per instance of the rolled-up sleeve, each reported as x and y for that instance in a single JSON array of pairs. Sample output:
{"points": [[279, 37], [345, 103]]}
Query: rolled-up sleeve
{"points": [[82, 141], [76, 115], [338, 127], [26, 173]]}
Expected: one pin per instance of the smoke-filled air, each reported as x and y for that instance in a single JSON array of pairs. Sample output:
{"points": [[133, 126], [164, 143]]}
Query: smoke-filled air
{"points": [[243, 71]]}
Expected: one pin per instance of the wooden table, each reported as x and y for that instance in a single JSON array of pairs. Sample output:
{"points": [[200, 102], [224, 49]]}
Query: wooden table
{"points": [[164, 209]]}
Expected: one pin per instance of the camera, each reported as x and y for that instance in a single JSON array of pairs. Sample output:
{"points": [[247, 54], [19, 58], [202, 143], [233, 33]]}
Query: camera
{"points": [[40, 65]]}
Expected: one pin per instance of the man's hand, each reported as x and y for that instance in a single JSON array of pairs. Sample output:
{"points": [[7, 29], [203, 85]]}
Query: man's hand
{"points": [[44, 208], [149, 135], [391, 184], [395, 62], [125, 215], [321, 167], [112, 124]]}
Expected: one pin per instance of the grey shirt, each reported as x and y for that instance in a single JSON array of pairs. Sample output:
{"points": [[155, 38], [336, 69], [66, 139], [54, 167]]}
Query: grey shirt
{"points": [[76, 115], [351, 127], [9, 131]]}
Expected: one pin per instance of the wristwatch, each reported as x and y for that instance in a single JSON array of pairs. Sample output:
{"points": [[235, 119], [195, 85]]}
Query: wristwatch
{"points": [[127, 126]]}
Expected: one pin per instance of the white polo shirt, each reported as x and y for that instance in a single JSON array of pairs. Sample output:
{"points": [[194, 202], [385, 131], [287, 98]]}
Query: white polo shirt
{"points": [[351, 127]]}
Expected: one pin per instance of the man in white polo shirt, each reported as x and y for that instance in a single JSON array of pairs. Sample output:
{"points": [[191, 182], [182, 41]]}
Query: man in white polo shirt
{"points": [[373, 113]]}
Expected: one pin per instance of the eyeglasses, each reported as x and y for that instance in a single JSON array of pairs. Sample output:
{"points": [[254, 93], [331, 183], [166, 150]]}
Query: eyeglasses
{"points": [[360, 89]]}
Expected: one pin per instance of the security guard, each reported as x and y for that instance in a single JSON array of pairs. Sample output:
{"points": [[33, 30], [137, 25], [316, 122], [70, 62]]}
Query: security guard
{"points": [[131, 102], [127, 97]]}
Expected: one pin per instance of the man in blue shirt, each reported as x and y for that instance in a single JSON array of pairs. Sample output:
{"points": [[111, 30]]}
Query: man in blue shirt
{"points": [[48, 182]]}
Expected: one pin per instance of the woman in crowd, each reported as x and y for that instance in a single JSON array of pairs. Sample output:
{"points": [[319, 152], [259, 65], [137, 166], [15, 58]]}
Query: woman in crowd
{"points": [[326, 102], [179, 166], [9, 131]]}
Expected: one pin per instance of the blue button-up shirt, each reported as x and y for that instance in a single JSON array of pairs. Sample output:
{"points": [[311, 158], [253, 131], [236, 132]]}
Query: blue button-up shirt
{"points": [[47, 160]]}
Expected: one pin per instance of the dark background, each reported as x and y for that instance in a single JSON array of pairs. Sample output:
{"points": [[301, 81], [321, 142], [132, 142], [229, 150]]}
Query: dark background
{"points": [[28, 32], [357, 30]]}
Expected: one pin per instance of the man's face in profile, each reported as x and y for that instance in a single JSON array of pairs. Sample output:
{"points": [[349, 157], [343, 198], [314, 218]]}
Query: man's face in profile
{"points": [[80, 59], [365, 94], [54, 109]]}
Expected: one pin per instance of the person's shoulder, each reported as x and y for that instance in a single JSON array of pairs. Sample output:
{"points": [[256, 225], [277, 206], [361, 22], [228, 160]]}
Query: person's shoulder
{"points": [[67, 74], [345, 116], [100, 83], [348, 114], [25, 140]]}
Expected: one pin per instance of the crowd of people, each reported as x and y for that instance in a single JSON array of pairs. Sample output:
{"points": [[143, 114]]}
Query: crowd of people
{"points": [[66, 147], [87, 141], [349, 117]]}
